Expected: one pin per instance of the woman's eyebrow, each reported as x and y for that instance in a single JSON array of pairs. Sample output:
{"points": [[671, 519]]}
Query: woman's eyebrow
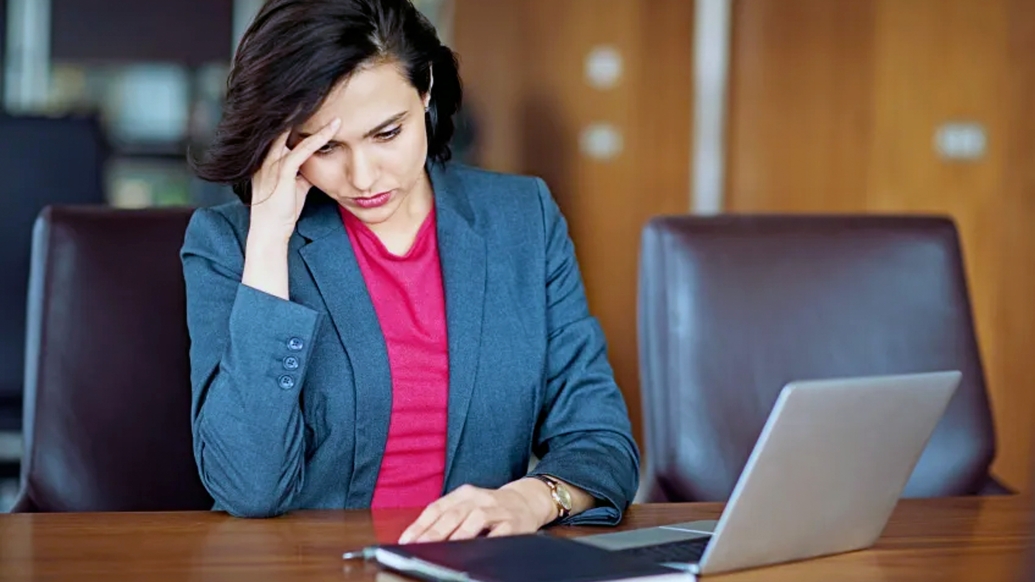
{"points": [[384, 125], [380, 127]]}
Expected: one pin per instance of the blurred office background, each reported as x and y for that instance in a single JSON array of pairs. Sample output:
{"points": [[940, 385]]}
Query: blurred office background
{"points": [[628, 108]]}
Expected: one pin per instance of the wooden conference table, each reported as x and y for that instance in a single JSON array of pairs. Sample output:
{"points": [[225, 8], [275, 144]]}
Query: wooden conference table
{"points": [[987, 539]]}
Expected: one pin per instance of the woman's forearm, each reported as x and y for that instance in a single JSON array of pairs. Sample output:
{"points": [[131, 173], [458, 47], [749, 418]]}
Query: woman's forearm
{"points": [[266, 265], [540, 499]]}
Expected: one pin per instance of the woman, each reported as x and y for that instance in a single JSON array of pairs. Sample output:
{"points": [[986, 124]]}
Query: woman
{"points": [[376, 326]]}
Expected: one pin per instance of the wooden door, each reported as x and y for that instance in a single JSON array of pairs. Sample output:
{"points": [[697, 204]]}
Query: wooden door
{"points": [[834, 108]]}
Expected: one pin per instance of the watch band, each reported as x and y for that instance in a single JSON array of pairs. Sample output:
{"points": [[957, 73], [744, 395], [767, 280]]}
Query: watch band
{"points": [[562, 511]]}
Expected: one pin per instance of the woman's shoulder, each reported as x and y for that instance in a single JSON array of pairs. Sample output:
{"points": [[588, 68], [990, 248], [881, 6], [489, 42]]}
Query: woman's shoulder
{"points": [[494, 196], [217, 226], [492, 181]]}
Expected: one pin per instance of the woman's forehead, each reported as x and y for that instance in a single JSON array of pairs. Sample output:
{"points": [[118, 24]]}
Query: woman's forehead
{"points": [[365, 99]]}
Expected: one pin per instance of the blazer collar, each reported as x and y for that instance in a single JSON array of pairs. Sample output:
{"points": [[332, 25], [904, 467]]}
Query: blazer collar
{"points": [[331, 262], [462, 252]]}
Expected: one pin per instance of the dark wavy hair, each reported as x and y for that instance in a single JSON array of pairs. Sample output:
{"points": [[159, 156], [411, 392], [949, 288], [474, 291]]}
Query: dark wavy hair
{"points": [[296, 51]]}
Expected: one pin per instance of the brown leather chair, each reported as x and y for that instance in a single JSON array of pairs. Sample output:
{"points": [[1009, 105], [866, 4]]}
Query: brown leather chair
{"points": [[731, 308], [107, 390]]}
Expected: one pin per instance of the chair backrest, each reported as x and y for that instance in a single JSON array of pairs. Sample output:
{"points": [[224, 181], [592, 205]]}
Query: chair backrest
{"points": [[107, 395], [731, 308], [43, 160]]}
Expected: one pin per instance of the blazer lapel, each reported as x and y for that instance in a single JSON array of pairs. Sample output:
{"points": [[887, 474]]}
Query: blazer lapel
{"points": [[462, 255], [332, 264]]}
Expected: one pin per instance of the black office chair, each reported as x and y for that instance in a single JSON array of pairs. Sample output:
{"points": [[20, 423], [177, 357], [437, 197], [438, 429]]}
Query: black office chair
{"points": [[733, 307], [107, 415]]}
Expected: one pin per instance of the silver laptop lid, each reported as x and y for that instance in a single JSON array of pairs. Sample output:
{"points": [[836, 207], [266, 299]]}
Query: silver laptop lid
{"points": [[828, 468]]}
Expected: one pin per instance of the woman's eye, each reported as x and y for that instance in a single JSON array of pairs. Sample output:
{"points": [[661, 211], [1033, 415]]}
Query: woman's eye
{"points": [[388, 135], [326, 149]]}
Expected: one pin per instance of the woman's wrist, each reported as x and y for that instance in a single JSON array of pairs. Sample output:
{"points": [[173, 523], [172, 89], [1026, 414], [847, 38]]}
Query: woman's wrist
{"points": [[265, 265], [538, 498], [267, 240]]}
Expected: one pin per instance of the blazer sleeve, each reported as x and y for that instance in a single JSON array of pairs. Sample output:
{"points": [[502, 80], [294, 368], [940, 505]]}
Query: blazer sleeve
{"points": [[249, 353], [584, 435]]}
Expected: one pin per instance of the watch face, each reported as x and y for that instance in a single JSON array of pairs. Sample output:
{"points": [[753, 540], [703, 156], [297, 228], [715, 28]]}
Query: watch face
{"points": [[564, 498]]}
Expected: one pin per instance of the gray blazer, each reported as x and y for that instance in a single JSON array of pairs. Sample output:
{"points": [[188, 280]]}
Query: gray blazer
{"points": [[291, 399]]}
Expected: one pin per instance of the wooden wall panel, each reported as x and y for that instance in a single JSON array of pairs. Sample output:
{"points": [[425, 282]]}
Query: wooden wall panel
{"points": [[835, 104], [522, 62], [488, 37], [799, 124], [942, 61], [1014, 295]]}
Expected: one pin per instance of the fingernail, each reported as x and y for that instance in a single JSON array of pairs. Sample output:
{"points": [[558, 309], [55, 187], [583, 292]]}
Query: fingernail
{"points": [[336, 122]]}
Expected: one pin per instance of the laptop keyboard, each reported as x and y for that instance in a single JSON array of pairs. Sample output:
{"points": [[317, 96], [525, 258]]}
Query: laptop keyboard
{"points": [[684, 551]]}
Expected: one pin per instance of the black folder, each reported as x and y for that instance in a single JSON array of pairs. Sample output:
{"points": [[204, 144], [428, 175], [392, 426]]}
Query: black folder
{"points": [[523, 558]]}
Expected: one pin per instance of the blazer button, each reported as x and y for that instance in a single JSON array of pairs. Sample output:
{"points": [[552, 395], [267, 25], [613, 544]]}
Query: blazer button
{"points": [[295, 344], [286, 382], [291, 363]]}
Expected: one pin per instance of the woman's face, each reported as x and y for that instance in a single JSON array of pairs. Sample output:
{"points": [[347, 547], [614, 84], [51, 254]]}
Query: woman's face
{"points": [[376, 160]]}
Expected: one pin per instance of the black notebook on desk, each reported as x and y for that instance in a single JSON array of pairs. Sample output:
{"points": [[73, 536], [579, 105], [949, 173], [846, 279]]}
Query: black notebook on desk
{"points": [[525, 558]]}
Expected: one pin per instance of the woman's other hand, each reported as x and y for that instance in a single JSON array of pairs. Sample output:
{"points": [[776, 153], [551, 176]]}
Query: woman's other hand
{"points": [[520, 507]]}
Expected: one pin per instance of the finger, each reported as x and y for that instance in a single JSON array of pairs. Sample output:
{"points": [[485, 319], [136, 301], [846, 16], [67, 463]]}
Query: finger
{"points": [[502, 528], [435, 510], [446, 524], [278, 149], [308, 146], [262, 185], [474, 524], [302, 187], [280, 144], [431, 514], [421, 525]]}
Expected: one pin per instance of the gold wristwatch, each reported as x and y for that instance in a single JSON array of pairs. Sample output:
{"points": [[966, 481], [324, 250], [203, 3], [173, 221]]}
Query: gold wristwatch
{"points": [[559, 493]]}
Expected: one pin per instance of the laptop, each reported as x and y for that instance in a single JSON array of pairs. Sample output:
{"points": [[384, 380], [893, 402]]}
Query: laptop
{"points": [[823, 478]]}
